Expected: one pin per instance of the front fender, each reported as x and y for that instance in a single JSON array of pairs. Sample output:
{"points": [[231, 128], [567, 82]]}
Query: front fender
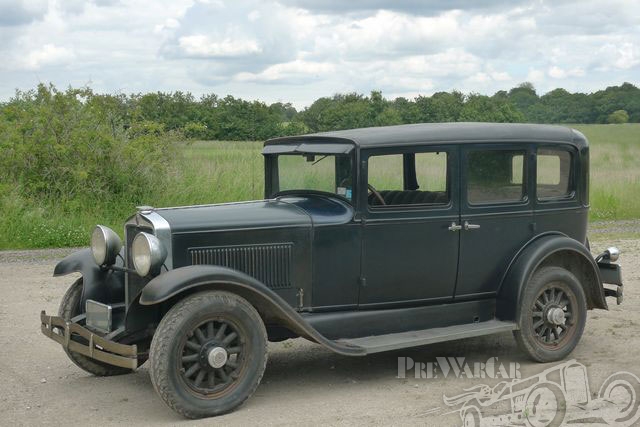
{"points": [[270, 305], [102, 285], [533, 255]]}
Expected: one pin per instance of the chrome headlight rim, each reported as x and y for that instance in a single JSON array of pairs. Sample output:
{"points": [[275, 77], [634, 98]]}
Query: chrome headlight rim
{"points": [[147, 253], [105, 245]]}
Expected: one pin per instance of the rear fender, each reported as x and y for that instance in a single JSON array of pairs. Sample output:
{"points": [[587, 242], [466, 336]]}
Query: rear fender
{"points": [[272, 308], [550, 249], [99, 284]]}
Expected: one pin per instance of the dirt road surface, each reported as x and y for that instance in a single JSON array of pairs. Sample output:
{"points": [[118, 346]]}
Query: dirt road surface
{"points": [[303, 383]]}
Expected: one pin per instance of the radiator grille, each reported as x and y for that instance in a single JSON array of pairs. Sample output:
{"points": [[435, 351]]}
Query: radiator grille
{"points": [[269, 263]]}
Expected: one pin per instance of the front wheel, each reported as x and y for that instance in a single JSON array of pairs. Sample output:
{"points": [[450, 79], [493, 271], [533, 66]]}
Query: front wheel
{"points": [[208, 354], [552, 315], [69, 308]]}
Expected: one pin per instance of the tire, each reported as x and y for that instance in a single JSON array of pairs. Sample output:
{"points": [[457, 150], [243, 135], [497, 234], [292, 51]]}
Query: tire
{"points": [[546, 406], [471, 417], [621, 389], [184, 365], [542, 339], [69, 308]]}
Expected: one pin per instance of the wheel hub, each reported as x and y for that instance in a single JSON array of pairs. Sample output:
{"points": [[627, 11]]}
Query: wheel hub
{"points": [[217, 357], [555, 316]]}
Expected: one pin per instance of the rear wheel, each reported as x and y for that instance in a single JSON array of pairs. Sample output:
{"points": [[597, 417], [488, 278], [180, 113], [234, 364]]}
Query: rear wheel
{"points": [[69, 308], [545, 406], [208, 354], [553, 312]]}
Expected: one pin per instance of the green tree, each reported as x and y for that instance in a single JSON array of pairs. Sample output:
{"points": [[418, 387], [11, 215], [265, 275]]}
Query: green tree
{"points": [[74, 145], [618, 117], [481, 108]]}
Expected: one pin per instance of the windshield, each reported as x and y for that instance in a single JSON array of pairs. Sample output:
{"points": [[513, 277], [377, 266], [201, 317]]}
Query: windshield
{"points": [[329, 173]]}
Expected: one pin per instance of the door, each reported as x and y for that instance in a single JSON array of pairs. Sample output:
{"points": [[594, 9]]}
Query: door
{"points": [[409, 247], [496, 215]]}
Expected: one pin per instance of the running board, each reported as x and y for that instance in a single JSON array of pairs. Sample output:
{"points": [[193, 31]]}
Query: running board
{"points": [[378, 343]]}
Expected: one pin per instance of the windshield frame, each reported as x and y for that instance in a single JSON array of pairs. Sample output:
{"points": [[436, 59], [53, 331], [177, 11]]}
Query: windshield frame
{"points": [[272, 174]]}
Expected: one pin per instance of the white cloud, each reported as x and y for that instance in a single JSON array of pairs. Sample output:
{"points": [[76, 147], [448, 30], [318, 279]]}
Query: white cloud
{"points": [[49, 54], [169, 24], [299, 50], [204, 47], [560, 73], [294, 71], [254, 15]]}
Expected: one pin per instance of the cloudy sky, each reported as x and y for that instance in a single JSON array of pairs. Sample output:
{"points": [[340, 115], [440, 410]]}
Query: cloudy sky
{"points": [[299, 50]]}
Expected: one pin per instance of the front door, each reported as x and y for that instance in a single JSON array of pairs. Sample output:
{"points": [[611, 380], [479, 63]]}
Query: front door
{"points": [[409, 247], [496, 216]]}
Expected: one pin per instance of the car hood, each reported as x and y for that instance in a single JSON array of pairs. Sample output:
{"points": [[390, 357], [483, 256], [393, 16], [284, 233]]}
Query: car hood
{"points": [[258, 214], [282, 212]]}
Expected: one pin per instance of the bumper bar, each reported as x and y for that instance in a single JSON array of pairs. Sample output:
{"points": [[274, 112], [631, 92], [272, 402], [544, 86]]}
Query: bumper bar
{"points": [[98, 348], [611, 274]]}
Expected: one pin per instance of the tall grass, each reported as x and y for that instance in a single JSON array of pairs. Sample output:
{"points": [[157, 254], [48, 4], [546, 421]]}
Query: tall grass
{"points": [[214, 172], [615, 170]]}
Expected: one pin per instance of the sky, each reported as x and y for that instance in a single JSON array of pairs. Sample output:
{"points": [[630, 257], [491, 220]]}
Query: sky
{"points": [[299, 50]]}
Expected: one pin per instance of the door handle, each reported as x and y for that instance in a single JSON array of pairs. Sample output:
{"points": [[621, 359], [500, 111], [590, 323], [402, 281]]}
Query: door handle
{"points": [[455, 227], [468, 226]]}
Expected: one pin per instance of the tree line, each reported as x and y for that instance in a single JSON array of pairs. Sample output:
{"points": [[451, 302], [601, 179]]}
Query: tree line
{"points": [[211, 117]]}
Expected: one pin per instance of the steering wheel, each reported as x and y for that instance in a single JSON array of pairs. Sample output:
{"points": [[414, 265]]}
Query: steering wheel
{"points": [[377, 194]]}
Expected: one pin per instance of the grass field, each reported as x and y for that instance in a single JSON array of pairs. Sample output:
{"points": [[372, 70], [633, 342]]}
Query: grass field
{"points": [[213, 172], [615, 170]]}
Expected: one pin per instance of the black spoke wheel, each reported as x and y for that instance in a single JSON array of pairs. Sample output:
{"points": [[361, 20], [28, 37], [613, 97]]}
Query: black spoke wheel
{"points": [[212, 357], [208, 354], [552, 314]]}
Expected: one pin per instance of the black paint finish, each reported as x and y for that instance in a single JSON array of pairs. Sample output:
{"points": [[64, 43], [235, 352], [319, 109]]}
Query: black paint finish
{"points": [[346, 269]]}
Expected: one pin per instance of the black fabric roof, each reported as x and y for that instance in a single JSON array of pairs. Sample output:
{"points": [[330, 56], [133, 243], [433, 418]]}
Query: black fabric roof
{"points": [[439, 133]]}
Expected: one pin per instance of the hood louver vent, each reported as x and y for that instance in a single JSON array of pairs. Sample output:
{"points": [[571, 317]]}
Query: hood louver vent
{"points": [[269, 263]]}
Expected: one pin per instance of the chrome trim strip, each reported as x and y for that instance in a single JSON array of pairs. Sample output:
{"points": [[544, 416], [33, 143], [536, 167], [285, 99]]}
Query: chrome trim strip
{"points": [[214, 204], [162, 230]]}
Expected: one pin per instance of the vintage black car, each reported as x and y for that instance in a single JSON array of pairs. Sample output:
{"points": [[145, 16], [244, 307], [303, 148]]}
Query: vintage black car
{"points": [[368, 240]]}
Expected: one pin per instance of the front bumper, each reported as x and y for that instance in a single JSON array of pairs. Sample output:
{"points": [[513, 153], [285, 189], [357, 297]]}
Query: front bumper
{"points": [[66, 334]]}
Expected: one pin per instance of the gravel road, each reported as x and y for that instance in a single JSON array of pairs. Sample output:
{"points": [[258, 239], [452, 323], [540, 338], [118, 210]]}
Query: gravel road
{"points": [[303, 383]]}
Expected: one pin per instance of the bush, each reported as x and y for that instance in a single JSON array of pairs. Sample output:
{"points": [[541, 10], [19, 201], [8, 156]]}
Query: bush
{"points": [[73, 145], [618, 117]]}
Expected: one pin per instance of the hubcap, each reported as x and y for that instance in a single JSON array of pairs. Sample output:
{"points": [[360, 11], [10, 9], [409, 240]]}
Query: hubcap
{"points": [[217, 357], [555, 316]]}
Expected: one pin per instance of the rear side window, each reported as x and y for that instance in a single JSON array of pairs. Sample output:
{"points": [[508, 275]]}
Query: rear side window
{"points": [[554, 174], [496, 176]]}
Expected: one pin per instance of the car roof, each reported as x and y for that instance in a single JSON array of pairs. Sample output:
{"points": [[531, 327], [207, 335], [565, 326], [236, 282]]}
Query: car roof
{"points": [[441, 133]]}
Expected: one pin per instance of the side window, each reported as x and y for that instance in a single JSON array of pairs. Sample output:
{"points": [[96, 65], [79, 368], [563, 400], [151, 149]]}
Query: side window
{"points": [[553, 178], [385, 173], [408, 179], [496, 176]]}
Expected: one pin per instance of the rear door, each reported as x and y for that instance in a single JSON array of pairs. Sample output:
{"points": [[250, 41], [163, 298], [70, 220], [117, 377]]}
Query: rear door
{"points": [[496, 214]]}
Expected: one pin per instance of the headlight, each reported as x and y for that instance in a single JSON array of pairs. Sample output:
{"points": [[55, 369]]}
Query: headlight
{"points": [[147, 253], [105, 245]]}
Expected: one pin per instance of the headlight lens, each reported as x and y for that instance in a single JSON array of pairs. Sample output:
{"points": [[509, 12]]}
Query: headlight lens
{"points": [[105, 245], [148, 253]]}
